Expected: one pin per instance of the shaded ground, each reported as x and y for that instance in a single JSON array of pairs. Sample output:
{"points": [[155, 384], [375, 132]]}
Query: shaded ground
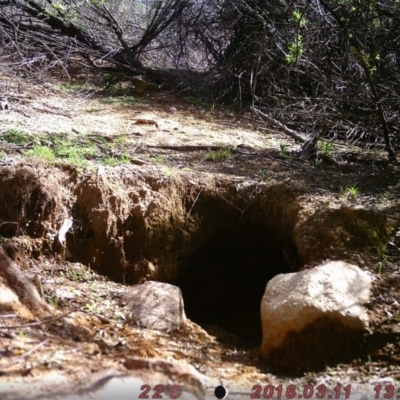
{"points": [[140, 139]]}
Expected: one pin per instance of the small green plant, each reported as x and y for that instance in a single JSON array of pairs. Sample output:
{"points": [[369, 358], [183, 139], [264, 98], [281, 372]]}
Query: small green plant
{"points": [[124, 158], [111, 161], [282, 150], [368, 61], [157, 159], [325, 147], [43, 153], [349, 192], [380, 266], [218, 155], [93, 108], [114, 161], [80, 274], [299, 19], [118, 314], [295, 50], [119, 143], [382, 261], [396, 318], [53, 301], [92, 306], [16, 137], [167, 171], [264, 175], [352, 191]]}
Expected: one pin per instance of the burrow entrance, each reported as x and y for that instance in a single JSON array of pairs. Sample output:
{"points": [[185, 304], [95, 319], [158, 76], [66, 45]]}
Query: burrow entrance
{"points": [[223, 282], [236, 254]]}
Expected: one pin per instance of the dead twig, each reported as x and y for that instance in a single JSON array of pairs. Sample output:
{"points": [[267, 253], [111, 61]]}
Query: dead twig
{"points": [[44, 321], [195, 200], [2, 316], [34, 349], [7, 223], [52, 112]]}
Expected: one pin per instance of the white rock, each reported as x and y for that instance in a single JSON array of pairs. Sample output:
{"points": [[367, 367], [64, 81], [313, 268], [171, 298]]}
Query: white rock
{"points": [[336, 290], [155, 305]]}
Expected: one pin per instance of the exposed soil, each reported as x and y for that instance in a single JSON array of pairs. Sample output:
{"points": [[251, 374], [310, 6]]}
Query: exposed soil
{"points": [[152, 201]]}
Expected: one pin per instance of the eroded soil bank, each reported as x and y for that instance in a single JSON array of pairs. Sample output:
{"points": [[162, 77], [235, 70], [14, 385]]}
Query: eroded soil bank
{"points": [[220, 242]]}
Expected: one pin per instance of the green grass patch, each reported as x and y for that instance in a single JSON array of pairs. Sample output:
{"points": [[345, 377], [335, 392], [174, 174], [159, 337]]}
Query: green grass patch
{"points": [[71, 87], [74, 152], [118, 101], [119, 90], [16, 137], [114, 161], [218, 155], [44, 153], [78, 274], [120, 141], [158, 159]]}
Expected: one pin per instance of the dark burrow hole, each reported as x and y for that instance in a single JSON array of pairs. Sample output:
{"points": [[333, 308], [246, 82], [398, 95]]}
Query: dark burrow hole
{"points": [[224, 281]]}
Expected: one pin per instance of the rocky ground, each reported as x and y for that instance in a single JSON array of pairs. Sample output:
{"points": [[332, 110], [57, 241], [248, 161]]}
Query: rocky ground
{"points": [[63, 146]]}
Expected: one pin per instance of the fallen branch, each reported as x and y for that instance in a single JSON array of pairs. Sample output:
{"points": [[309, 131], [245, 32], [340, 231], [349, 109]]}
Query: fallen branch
{"points": [[290, 132], [186, 148]]}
